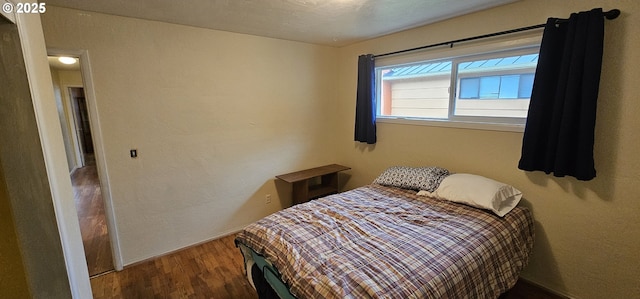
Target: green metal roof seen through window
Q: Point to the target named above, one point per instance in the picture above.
(444, 67)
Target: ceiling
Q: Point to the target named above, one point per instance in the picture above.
(326, 22)
(55, 64)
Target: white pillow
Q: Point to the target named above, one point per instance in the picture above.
(477, 191)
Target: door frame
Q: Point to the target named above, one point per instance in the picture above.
(73, 123)
(39, 78)
(98, 145)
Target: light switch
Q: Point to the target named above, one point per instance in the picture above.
(134, 153)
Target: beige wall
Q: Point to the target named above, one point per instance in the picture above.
(587, 233)
(214, 116)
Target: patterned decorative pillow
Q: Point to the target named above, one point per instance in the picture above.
(414, 178)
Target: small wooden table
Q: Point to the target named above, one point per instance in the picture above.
(304, 191)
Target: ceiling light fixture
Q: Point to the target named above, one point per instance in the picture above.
(67, 60)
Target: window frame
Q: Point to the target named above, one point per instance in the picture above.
(521, 44)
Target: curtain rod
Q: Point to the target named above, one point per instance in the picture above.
(610, 15)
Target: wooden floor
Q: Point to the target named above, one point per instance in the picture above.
(210, 270)
(93, 225)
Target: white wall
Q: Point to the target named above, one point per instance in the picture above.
(587, 233)
(214, 116)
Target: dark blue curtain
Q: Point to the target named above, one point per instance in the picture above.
(559, 133)
(365, 130)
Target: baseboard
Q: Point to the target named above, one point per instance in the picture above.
(552, 291)
(220, 236)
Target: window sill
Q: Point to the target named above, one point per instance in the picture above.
(452, 124)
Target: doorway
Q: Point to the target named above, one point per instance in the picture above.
(83, 127)
(79, 146)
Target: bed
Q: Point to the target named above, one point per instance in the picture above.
(387, 240)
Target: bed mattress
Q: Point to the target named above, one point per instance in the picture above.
(386, 242)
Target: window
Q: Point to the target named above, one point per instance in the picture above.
(497, 87)
(492, 87)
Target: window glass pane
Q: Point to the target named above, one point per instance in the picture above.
(504, 86)
(463, 66)
(509, 85)
(418, 90)
(489, 87)
(526, 86)
(530, 58)
(469, 88)
(492, 62)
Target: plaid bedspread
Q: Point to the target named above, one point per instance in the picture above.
(384, 242)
